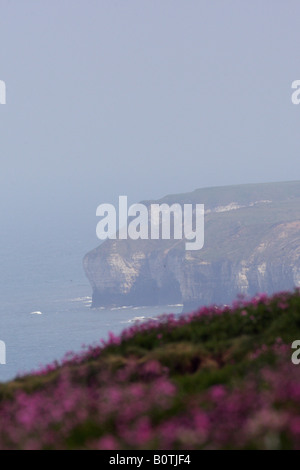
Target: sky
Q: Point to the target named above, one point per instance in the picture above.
(141, 98)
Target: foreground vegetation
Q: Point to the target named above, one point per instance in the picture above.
(218, 378)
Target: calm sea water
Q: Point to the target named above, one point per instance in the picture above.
(47, 276)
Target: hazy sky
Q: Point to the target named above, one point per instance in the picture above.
(142, 98)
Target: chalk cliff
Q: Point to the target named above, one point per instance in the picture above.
(252, 244)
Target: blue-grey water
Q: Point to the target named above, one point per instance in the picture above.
(46, 275)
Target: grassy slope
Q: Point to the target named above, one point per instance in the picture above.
(219, 378)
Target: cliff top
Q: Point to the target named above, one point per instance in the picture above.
(216, 378)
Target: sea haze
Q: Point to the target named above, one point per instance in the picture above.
(46, 275)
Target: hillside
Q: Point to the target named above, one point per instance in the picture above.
(218, 378)
(252, 235)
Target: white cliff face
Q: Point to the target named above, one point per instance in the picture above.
(121, 268)
(232, 206)
(262, 268)
(180, 276)
(249, 247)
(242, 280)
(193, 278)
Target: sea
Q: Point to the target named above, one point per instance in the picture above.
(45, 308)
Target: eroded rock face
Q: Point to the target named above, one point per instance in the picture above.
(252, 244)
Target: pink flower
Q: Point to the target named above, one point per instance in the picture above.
(107, 442)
